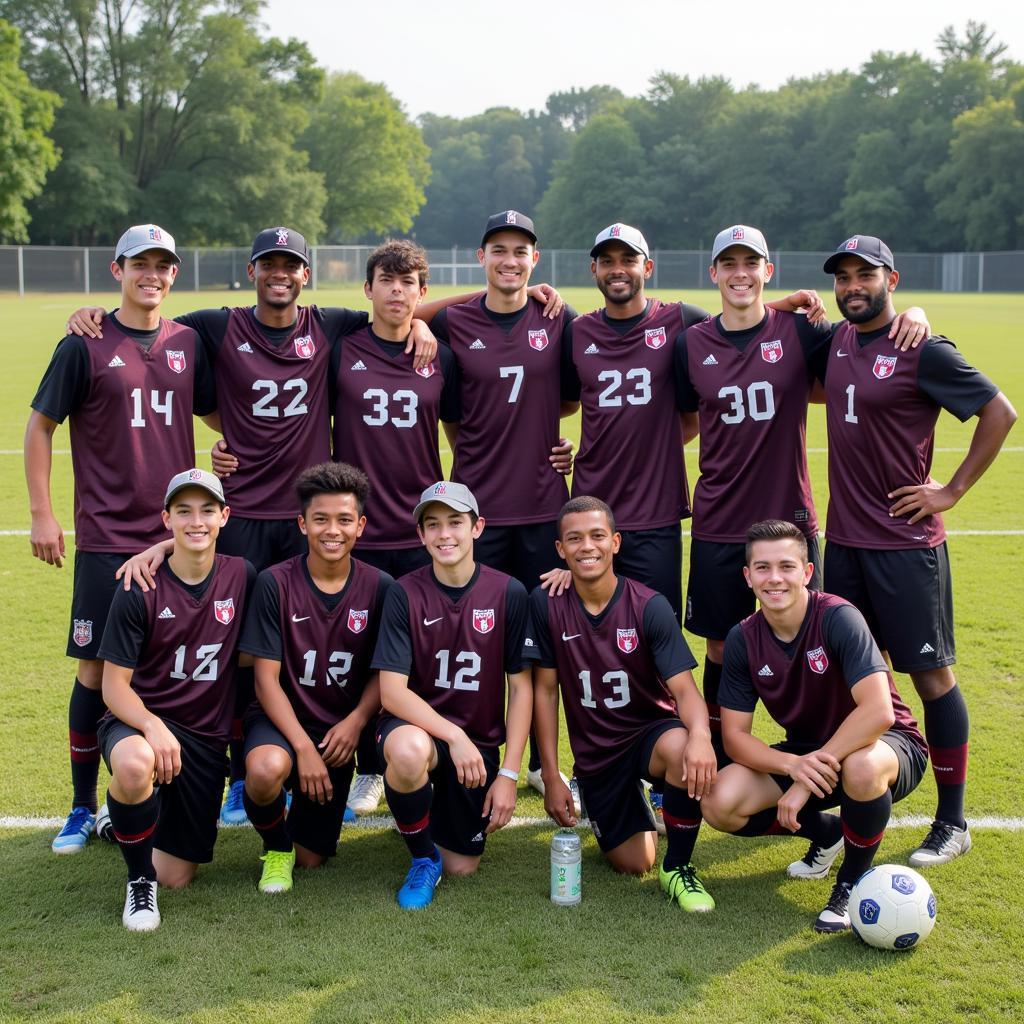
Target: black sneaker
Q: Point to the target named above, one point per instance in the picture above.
(836, 915)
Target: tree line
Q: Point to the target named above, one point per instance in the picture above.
(184, 112)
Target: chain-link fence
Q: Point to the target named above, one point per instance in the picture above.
(36, 268)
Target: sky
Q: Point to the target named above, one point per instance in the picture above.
(460, 57)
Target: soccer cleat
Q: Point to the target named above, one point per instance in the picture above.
(366, 794)
(140, 910)
(103, 827)
(817, 862)
(836, 915)
(277, 871)
(577, 800)
(75, 834)
(418, 889)
(684, 887)
(657, 813)
(535, 780)
(943, 843)
(348, 816)
(233, 811)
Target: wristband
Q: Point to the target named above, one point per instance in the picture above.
(509, 774)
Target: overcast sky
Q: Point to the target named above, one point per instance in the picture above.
(461, 57)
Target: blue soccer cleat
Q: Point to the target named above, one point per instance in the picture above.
(75, 834)
(418, 890)
(233, 811)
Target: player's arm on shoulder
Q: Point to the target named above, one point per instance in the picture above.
(426, 311)
(86, 322)
(46, 537)
(806, 300)
(547, 295)
(141, 568)
(910, 328)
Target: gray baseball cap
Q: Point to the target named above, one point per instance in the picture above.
(631, 237)
(142, 238)
(194, 478)
(739, 234)
(456, 496)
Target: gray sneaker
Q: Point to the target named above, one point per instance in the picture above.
(943, 843)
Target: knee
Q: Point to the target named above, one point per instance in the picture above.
(631, 864)
(266, 769)
(133, 773)
(861, 776)
(718, 813)
(408, 757)
(307, 858)
(176, 877)
(459, 865)
(934, 683)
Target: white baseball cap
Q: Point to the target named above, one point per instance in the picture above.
(456, 496)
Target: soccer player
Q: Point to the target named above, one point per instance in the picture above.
(632, 709)
(450, 634)
(849, 739)
(168, 680)
(130, 399)
(886, 550)
(311, 630)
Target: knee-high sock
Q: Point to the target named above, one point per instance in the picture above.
(85, 709)
(947, 729)
(817, 826)
(710, 683)
(412, 816)
(134, 826)
(864, 824)
(682, 817)
(269, 820)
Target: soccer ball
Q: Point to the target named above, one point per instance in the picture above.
(892, 907)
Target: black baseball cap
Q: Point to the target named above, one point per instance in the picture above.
(509, 220)
(279, 240)
(870, 249)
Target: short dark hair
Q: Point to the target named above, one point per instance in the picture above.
(775, 529)
(332, 478)
(585, 503)
(398, 256)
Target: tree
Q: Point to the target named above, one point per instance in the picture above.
(26, 115)
(574, 108)
(977, 43)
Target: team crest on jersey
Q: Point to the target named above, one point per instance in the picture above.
(885, 366)
(357, 620)
(818, 660)
(305, 347)
(224, 611)
(539, 340)
(655, 338)
(483, 619)
(82, 634)
(625, 640)
(176, 361)
(771, 351)
(426, 372)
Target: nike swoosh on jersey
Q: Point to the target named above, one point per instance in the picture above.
(573, 637)
(295, 618)
(842, 355)
(430, 622)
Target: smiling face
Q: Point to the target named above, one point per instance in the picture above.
(778, 573)
(741, 276)
(332, 524)
(279, 278)
(145, 279)
(864, 292)
(448, 535)
(195, 518)
(587, 543)
(508, 259)
(619, 273)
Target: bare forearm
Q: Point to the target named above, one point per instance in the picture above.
(400, 701)
(518, 718)
(38, 463)
(545, 721)
(124, 703)
(994, 423)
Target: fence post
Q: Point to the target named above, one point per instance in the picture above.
(312, 276)
(455, 259)
(21, 271)
(86, 273)
(981, 271)
(195, 270)
(554, 268)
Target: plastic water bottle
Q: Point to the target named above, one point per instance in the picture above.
(566, 868)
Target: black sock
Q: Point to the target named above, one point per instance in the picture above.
(819, 827)
(134, 826)
(682, 824)
(85, 709)
(269, 821)
(710, 683)
(864, 824)
(947, 729)
(412, 817)
(534, 763)
(763, 823)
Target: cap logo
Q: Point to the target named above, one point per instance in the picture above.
(510, 217)
(771, 351)
(615, 231)
(655, 338)
(440, 488)
(737, 234)
(155, 234)
(195, 474)
(305, 347)
(483, 619)
(539, 340)
(818, 660)
(851, 243)
(885, 366)
(282, 236)
(176, 361)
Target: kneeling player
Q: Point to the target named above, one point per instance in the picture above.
(169, 682)
(850, 741)
(450, 634)
(312, 629)
(632, 708)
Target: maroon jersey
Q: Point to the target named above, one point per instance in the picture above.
(631, 448)
(274, 411)
(385, 421)
(806, 689)
(511, 400)
(753, 429)
(611, 688)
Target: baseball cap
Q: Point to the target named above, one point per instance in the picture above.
(142, 238)
(739, 234)
(625, 234)
(455, 496)
(870, 249)
(509, 220)
(279, 240)
(194, 478)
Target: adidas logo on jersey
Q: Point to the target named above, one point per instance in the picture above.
(927, 649)
(765, 671)
(166, 614)
(591, 350)
(245, 347)
(359, 365)
(116, 361)
(710, 361)
(478, 344)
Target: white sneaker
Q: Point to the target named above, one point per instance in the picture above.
(104, 829)
(943, 843)
(817, 862)
(365, 794)
(140, 909)
(535, 780)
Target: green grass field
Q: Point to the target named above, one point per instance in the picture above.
(492, 948)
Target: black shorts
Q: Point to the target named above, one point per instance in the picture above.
(264, 542)
(615, 800)
(190, 803)
(655, 559)
(524, 551)
(906, 596)
(717, 595)
(396, 562)
(94, 587)
(457, 822)
(913, 763)
(315, 826)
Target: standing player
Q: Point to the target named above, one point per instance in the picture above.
(169, 684)
(450, 634)
(849, 739)
(311, 631)
(130, 399)
(886, 550)
(631, 707)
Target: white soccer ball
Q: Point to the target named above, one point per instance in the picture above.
(892, 907)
